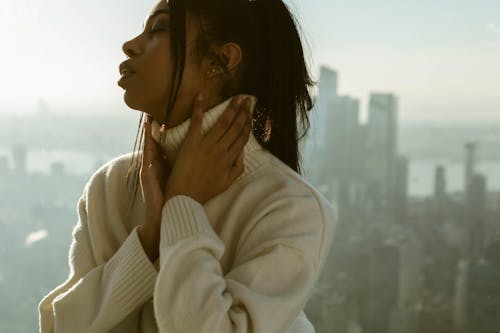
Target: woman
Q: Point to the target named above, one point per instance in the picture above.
(227, 237)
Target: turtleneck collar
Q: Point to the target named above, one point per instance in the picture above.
(174, 136)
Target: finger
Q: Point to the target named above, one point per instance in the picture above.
(240, 142)
(239, 160)
(148, 147)
(145, 160)
(196, 117)
(152, 153)
(239, 122)
(224, 121)
(237, 169)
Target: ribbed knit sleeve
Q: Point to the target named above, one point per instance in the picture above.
(271, 279)
(95, 298)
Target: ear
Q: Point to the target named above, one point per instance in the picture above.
(232, 55)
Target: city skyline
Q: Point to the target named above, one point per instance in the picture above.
(399, 263)
(443, 60)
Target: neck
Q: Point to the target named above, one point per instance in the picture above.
(174, 137)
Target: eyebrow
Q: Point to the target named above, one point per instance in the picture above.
(158, 12)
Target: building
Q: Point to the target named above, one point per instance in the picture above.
(440, 199)
(476, 208)
(382, 145)
(470, 162)
(400, 192)
(327, 91)
(382, 289)
(315, 143)
(57, 169)
(476, 197)
(19, 152)
(404, 321)
(344, 145)
(477, 301)
(4, 165)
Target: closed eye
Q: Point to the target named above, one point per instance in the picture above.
(159, 28)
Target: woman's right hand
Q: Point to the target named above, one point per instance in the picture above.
(154, 172)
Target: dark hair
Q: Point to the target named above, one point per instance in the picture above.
(273, 67)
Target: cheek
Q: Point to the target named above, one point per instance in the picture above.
(149, 90)
(192, 80)
(187, 81)
(159, 74)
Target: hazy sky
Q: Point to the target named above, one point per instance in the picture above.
(441, 57)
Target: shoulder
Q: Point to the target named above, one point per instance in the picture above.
(111, 171)
(274, 179)
(109, 181)
(285, 205)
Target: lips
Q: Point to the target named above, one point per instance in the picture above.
(126, 71)
(126, 68)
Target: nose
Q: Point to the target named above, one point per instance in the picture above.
(130, 48)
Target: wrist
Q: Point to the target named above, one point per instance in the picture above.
(171, 190)
(169, 195)
(150, 241)
(148, 231)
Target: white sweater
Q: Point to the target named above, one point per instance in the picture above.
(245, 261)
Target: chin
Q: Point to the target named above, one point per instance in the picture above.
(133, 103)
(138, 106)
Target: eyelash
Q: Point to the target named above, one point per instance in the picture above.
(153, 31)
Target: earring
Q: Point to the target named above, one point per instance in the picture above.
(214, 70)
(163, 129)
(263, 125)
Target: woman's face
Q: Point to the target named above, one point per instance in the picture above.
(148, 88)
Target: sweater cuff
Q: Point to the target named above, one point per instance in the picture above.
(132, 273)
(183, 217)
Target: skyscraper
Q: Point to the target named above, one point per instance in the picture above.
(327, 91)
(344, 142)
(20, 153)
(476, 207)
(400, 194)
(383, 288)
(315, 143)
(382, 144)
(477, 195)
(440, 200)
(477, 301)
(470, 161)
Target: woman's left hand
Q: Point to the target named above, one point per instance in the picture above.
(207, 165)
